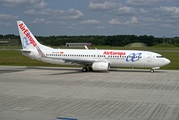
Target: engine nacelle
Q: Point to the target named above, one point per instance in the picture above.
(100, 66)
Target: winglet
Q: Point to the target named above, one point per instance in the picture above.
(86, 47)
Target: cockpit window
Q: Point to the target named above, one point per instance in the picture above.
(159, 56)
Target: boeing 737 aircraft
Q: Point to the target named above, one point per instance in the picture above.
(96, 60)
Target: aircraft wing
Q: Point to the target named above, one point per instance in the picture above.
(76, 61)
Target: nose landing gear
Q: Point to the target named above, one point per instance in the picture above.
(154, 68)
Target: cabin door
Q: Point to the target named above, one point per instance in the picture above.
(149, 57)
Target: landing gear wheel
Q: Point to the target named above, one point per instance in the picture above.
(84, 69)
(152, 70)
(90, 69)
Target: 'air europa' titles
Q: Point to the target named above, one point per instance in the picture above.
(114, 53)
(26, 32)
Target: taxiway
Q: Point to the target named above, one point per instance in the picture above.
(42, 93)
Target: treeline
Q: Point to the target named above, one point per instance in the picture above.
(114, 40)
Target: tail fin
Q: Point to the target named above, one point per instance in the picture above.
(27, 38)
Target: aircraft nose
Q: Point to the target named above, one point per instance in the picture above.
(166, 61)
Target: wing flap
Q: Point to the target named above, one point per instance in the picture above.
(75, 61)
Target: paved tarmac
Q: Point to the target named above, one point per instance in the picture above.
(41, 93)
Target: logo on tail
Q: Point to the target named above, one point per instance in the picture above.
(28, 39)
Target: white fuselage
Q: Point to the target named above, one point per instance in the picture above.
(122, 58)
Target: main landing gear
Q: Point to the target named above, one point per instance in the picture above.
(86, 69)
(151, 70)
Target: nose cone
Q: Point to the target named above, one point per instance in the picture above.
(166, 61)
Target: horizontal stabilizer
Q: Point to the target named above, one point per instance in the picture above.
(25, 51)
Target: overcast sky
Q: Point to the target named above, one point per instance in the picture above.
(91, 17)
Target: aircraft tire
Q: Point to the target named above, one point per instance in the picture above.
(84, 69)
(152, 70)
(90, 69)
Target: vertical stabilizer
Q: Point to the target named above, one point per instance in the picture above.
(27, 38)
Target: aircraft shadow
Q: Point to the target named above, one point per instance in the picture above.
(65, 70)
(9, 71)
(77, 71)
(70, 72)
(74, 70)
(136, 70)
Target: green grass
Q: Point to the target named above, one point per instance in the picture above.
(15, 58)
(125, 48)
(10, 47)
(159, 46)
(174, 58)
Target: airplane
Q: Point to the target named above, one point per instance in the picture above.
(91, 59)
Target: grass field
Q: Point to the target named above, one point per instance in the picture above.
(15, 58)
(174, 58)
(156, 47)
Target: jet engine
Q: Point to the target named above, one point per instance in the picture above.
(100, 66)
